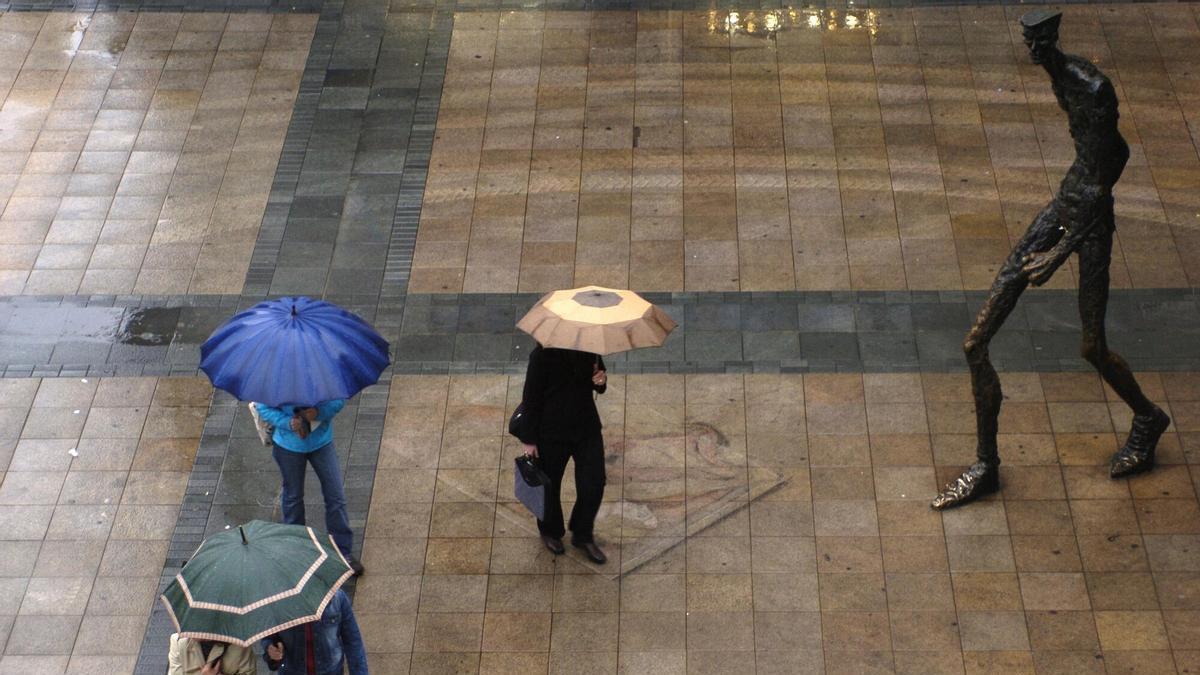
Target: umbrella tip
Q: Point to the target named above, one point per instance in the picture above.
(242, 531)
(293, 309)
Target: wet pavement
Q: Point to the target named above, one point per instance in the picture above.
(731, 332)
(140, 149)
(779, 524)
(817, 195)
(94, 472)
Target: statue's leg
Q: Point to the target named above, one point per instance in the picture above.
(1149, 421)
(985, 383)
(983, 477)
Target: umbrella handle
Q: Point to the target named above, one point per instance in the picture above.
(595, 367)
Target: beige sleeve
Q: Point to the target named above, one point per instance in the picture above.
(239, 661)
(175, 656)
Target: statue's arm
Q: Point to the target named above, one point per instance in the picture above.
(1042, 265)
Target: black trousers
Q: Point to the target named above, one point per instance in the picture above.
(589, 486)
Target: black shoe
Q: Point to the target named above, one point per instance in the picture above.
(591, 550)
(357, 567)
(553, 544)
(1137, 455)
(980, 479)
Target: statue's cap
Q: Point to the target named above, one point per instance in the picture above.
(1041, 21)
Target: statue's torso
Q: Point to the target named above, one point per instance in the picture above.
(1090, 101)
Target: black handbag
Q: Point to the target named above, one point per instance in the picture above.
(516, 423)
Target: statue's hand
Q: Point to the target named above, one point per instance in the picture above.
(1039, 267)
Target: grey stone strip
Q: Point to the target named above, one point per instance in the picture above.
(281, 200)
(427, 83)
(718, 332)
(347, 196)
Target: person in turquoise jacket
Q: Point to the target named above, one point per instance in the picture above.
(302, 436)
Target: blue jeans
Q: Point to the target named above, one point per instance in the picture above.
(324, 460)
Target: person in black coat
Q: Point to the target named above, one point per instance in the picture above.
(561, 423)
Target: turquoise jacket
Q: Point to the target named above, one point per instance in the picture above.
(284, 437)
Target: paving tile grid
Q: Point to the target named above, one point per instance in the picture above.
(841, 569)
(139, 148)
(854, 149)
(92, 475)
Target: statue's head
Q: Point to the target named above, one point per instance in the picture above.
(1040, 28)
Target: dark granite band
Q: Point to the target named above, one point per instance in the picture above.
(718, 332)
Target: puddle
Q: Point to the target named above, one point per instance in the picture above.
(148, 327)
(153, 326)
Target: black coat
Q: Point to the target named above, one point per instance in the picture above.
(558, 396)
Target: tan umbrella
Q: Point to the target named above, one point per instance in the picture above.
(596, 319)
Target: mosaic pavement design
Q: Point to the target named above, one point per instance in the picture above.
(139, 149)
(718, 151)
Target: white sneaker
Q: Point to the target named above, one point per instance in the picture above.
(264, 430)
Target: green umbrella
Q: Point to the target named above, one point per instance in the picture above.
(245, 584)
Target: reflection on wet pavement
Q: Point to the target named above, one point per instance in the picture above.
(92, 337)
(138, 149)
(770, 21)
(790, 149)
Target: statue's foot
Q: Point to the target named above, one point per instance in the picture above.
(1137, 455)
(982, 478)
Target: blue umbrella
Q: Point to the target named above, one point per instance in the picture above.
(294, 351)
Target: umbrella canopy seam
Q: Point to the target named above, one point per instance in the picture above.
(246, 609)
(200, 635)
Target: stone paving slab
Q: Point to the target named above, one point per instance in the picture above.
(788, 149)
(842, 568)
(235, 480)
(139, 150)
(92, 475)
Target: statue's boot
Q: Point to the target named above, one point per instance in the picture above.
(982, 478)
(1137, 455)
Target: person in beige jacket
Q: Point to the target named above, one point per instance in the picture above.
(188, 657)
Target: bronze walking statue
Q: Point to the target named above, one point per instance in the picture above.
(1078, 220)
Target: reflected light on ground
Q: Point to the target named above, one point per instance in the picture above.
(76, 38)
(769, 22)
